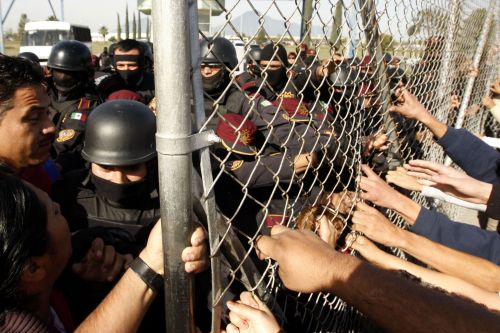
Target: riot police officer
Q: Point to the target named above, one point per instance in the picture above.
(120, 187)
(72, 95)
(116, 198)
(132, 61)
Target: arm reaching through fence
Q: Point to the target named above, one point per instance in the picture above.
(378, 228)
(307, 264)
(401, 178)
(451, 180)
(376, 190)
(475, 157)
(449, 283)
(408, 105)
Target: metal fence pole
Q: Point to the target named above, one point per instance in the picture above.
(445, 72)
(336, 33)
(306, 26)
(173, 90)
(475, 63)
(372, 35)
(206, 169)
(1, 29)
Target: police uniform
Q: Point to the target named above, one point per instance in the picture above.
(83, 208)
(145, 87)
(70, 117)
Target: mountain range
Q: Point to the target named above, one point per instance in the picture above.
(249, 24)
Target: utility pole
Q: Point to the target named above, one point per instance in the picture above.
(62, 10)
(1, 29)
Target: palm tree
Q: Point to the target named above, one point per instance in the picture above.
(103, 31)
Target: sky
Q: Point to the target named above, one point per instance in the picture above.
(93, 13)
(96, 13)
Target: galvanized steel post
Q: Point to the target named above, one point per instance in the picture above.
(208, 199)
(173, 91)
(372, 35)
(306, 25)
(475, 63)
(445, 72)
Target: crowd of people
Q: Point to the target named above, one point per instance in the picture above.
(301, 143)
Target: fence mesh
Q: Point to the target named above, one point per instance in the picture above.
(312, 130)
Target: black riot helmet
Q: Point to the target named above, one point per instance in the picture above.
(218, 50)
(344, 76)
(253, 59)
(29, 56)
(120, 133)
(70, 55)
(254, 54)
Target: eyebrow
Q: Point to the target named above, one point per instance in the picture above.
(35, 109)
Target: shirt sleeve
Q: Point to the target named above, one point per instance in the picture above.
(459, 236)
(493, 205)
(475, 157)
(429, 191)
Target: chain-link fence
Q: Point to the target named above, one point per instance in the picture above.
(294, 124)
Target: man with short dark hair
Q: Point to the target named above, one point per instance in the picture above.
(130, 62)
(26, 131)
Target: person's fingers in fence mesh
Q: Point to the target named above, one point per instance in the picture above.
(451, 180)
(340, 201)
(401, 178)
(325, 221)
(374, 225)
(295, 250)
(250, 314)
(369, 251)
(306, 264)
(409, 106)
(376, 190)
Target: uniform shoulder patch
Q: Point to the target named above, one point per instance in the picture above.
(82, 116)
(235, 165)
(66, 135)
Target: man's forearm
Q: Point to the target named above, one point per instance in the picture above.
(383, 296)
(447, 282)
(434, 125)
(474, 270)
(123, 308)
(406, 207)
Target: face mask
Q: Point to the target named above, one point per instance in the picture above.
(131, 78)
(216, 83)
(276, 78)
(120, 193)
(66, 82)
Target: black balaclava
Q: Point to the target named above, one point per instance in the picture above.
(215, 84)
(275, 78)
(67, 82)
(130, 77)
(128, 193)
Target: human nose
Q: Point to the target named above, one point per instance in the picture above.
(118, 177)
(48, 126)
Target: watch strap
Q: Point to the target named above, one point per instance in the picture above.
(149, 276)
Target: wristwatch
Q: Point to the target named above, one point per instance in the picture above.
(150, 277)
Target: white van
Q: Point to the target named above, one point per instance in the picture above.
(39, 37)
